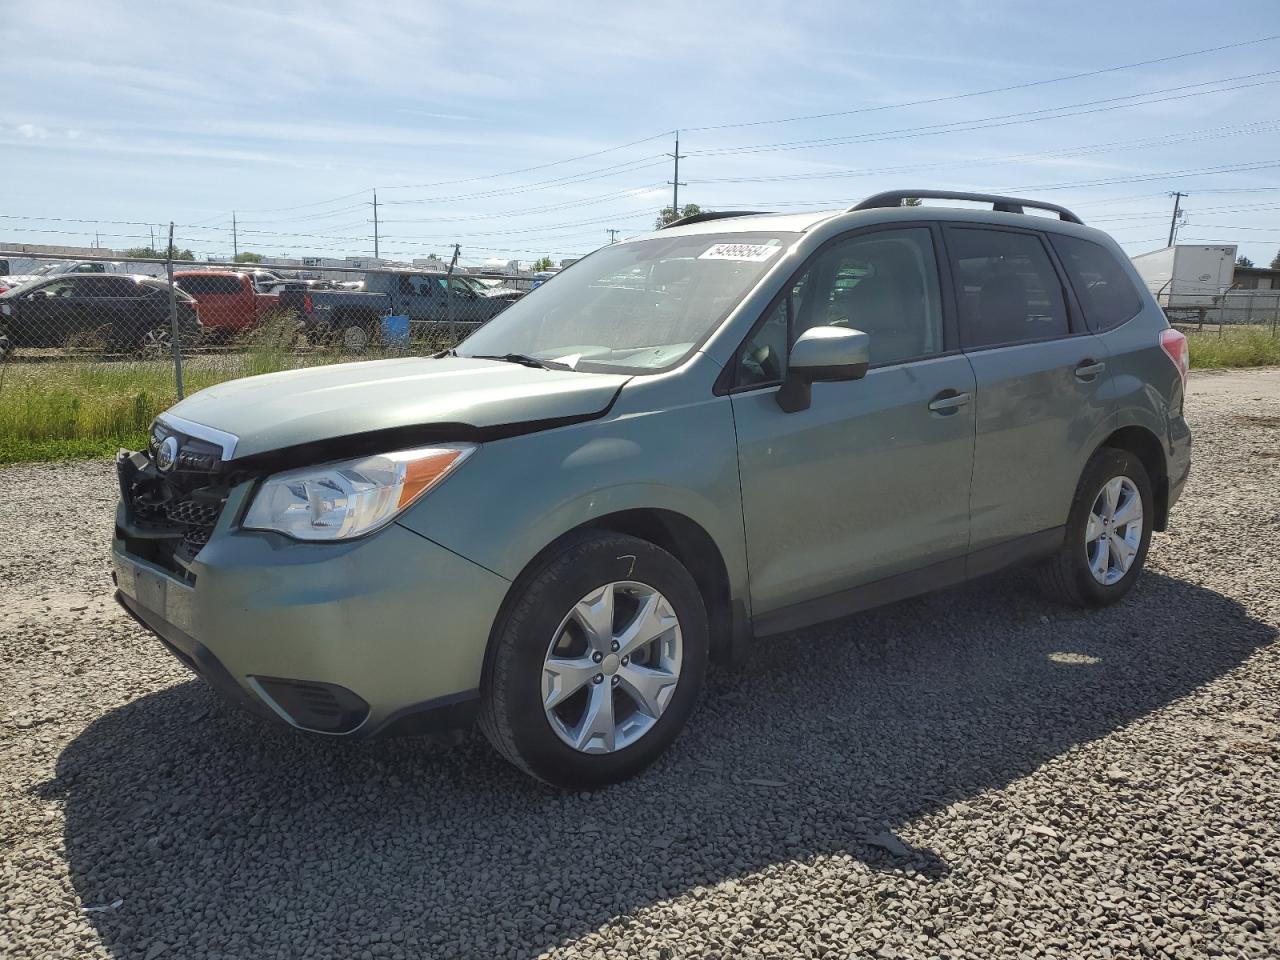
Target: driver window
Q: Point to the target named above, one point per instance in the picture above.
(884, 284)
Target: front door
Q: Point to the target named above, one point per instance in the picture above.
(872, 480)
(1042, 397)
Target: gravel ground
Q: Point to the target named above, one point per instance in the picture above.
(971, 774)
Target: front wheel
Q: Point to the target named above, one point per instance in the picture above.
(1108, 532)
(155, 343)
(595, 663)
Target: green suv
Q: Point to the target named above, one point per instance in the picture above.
(734, 427)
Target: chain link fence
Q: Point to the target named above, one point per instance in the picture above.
(92, 348)
(1190, 306)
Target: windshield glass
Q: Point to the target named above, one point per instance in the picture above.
(640, 307)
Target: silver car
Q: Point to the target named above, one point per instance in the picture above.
(733, 427)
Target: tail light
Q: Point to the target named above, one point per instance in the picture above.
(1174, 344)
(306, 302)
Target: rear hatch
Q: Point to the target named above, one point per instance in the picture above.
(224, 302)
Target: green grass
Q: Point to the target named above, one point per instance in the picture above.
(72, 409)
(1240, 347)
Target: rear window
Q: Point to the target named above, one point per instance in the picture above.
(1102, 286)
(154, 287)
(211, 284)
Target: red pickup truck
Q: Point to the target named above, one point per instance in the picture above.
(229, 303)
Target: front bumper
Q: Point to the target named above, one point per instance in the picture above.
(379, 635)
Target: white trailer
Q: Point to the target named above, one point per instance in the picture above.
(1188, 276)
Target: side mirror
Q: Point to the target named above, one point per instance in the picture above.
(38, 294)
(823, 354)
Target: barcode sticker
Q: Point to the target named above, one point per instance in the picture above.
(749, 252)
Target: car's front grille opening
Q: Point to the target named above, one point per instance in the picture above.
(171, 514)
(322, 707)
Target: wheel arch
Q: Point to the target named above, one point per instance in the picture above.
(687, 541)
(1146, 446)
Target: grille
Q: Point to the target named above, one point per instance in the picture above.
(195, 513)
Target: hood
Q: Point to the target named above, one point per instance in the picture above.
(318, 404)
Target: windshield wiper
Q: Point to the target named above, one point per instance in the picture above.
(524, 360)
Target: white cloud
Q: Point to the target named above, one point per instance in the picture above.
(31, 131)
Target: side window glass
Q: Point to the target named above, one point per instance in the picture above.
(884, 284)
(763, 358)
(1106, 294)
(1007, 287)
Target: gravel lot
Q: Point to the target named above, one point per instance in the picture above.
(972, 774)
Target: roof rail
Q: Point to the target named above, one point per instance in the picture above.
(894, 198)
(712, 215)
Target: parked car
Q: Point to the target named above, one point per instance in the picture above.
(351, 317)
(734, 427)
(487, 291)
(229, 301)
(130, 314)
(59, 267)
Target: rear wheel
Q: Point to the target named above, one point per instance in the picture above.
(1108, 532)
(595, 663)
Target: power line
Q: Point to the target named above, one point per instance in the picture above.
(998, 120)
(540, 166)
(1246, 129)
(982, 93)
(630, 166)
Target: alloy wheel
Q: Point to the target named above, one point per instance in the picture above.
(156, 343)
(1113, 532)
(612, 667)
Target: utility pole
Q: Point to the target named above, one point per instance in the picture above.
(448, 289)
(613, 235)
(235, 238)
(152, 227)
(375, 225)
(675, 181)
(1177, 207)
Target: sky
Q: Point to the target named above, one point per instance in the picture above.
(518, 130)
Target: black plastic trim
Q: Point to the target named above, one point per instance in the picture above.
(999, 203)
(456, 711)
(713, 215)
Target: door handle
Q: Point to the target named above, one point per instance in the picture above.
(1088, 369)
(949, 401)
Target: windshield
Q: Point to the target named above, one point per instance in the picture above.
(639, 307)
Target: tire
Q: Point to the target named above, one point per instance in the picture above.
(538, 626)
(1069, 575)
(355, 334)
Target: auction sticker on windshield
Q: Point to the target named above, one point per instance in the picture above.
(749, 252)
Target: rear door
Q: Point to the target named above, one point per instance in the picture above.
(1042, 398)
(871, 480)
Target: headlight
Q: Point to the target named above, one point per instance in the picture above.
(336, 501)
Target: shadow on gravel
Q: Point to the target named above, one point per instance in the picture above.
(224, 835)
